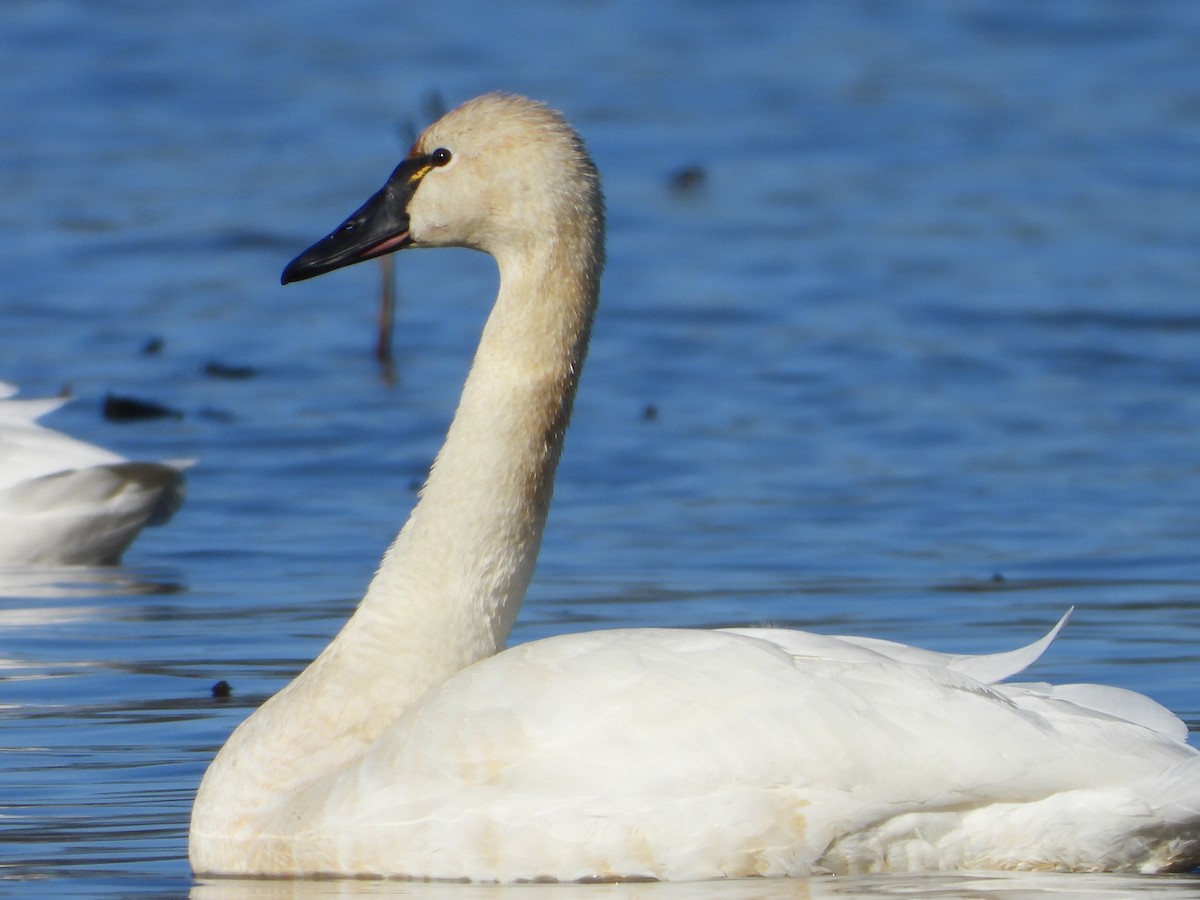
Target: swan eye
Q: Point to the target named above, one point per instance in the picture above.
(439, 157)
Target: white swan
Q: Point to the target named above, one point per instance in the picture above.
(66, 502)
(414, 747)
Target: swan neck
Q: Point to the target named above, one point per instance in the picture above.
(474, 536)
(451, 584)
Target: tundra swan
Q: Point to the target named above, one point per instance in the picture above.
(416, 746)
(66, 502)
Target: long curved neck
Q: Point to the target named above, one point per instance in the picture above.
(450, 586)
(459, 568)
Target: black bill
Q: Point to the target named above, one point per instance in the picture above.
(379, 226)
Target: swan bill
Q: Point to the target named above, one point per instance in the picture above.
(377, 227)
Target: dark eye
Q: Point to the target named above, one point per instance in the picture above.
(440, 156)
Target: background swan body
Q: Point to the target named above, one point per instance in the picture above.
(416, 746)
(67, 502)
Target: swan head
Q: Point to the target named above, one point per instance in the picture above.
(501, 174)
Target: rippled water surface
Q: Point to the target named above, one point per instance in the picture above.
(917, 357)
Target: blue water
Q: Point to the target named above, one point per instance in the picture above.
(918, 358)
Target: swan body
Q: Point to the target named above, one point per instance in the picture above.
(416, 746)
(67, 502)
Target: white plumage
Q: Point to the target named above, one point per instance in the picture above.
(67, 502)
(416, 746)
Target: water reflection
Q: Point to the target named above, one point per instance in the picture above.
(995, 886)
(77, 581)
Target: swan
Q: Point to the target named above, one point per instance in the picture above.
(417, 746)
(67, 502)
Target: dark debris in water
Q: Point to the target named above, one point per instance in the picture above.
(222, 690)
(132, 409)
(687, 179)
(215, 369)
